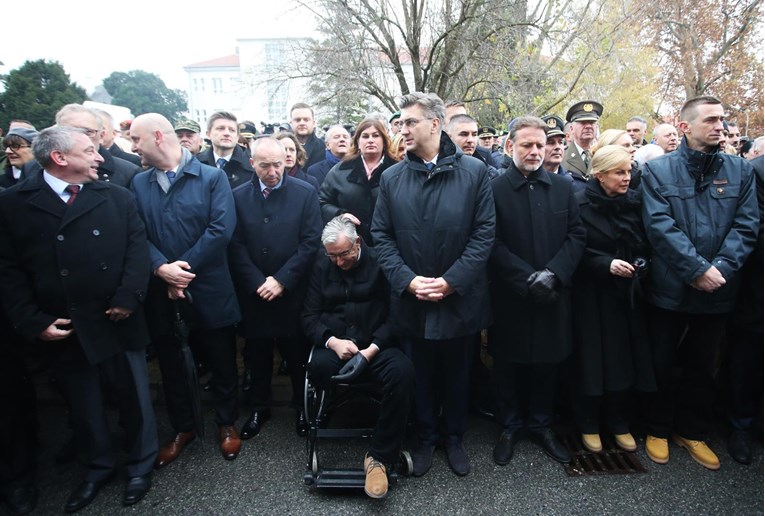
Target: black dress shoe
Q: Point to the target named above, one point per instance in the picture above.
(21, 500)
(422, 459)
(301, 425)
(503, 450)
(83, 494)
(256, 420)
(247, 380)
(457, 458)
(740, 447)
(136, 489)
(552, 446)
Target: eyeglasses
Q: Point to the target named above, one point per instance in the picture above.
(344, 254)
(14, 146)
(90, 132)
(411, 122)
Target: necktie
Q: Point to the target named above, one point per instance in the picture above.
(72, 190)
(267, 192)
(170, 176)
(430, 165)
(221, 162)
(586, 158)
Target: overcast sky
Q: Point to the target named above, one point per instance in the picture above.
(93, 39)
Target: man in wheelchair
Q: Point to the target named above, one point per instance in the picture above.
(345, 317)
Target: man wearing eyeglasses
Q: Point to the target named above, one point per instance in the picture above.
(113, 170)
(345, 318)
(433, 227)
(278, 225)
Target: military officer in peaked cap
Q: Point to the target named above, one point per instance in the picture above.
(583, 117)
(555, 151)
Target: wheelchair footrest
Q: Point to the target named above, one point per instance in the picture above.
(340, 478)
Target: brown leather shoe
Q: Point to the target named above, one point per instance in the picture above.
(169, 452)
(229, 442)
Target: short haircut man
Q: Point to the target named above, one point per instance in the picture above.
(532, 265)
(304, 125)
(436, 271)
(225, 153)
(452, 108)
(637, 127)
(338, 141)
(701, 218)
(190, 274)
(734, 135)
(74, 268)
(665, 136)
(278, 225)
(346, 320)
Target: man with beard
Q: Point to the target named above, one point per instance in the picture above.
(539, 242)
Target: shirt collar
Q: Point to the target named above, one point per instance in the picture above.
(56, 184)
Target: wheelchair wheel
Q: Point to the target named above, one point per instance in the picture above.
(407, 463)
(314, 463)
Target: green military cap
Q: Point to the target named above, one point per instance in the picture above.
(584, 111)
(486, 131)
(554, 125)
(184, 124)
(394, 116)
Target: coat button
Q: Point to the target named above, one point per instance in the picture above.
(531, 187)
(266, 220)
(265, 250)
(96, 232)
(104, 266)
(65, 272)
(60, 238)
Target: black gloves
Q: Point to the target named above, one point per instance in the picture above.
(351, 370)
(542, 286)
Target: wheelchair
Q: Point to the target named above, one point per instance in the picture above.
(325, 411)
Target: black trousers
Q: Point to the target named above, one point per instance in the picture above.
(683, 405)
(745, 371)
(525, 394)
(391, 369)
(613, 408)
(258, 356)
(126, 376)
(18, 424)
(442, 380)
(219, 350)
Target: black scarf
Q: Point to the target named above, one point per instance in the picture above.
(623, 213)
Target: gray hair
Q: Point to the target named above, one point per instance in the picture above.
(524, 122)
(647, 153)
(758, 144)
(78, 108)
(56, 138)
(336, 227)
(459, 119)
(257, 142)
(431, 104)
(639, 119)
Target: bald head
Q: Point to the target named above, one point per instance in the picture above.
(155, 141)
(665, 136)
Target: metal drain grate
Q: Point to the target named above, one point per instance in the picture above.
(611, 461)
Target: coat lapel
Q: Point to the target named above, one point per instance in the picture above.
(90, 197)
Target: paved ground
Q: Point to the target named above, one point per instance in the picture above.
(267, 478)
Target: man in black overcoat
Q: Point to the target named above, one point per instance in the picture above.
(539, 242)
(74, 268)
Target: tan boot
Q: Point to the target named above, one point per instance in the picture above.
(376, 483)
(592, 442)
(657, 449)
(699, 451)
(626, 442)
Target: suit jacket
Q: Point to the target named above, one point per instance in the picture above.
(193, 222)
(116, 151)
(574, 164)
(238, 169)
(74, 262)
(278, 237)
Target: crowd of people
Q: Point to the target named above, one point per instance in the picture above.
(395, 251)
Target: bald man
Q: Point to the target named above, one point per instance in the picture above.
(188, 209)
(665, 136)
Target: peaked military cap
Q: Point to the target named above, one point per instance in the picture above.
(586, 110)
(184, 124)
(484, 132)
(554, 125)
